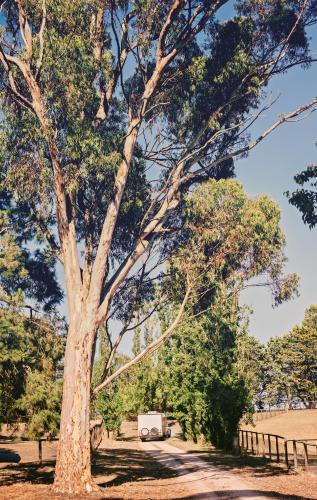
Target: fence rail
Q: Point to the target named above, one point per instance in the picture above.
(96, 433)
(273, 412)
(294, 453)
(264, 414)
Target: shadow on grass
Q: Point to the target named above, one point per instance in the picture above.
(257, 465)
(12, 439)
(9, 455)
(27, 472)
(110, 468)
(243, 493)
(127, 438)
(116, 467)
(5, 439)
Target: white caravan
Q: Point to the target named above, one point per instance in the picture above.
(153, 425)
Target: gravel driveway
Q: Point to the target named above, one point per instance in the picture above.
(202, 479)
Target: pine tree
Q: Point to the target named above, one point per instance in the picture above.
(293, 363)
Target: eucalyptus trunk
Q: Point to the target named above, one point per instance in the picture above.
(73, 465)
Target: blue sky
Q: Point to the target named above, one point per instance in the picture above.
(270, 169)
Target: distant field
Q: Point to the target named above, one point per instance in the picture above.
(296, 424)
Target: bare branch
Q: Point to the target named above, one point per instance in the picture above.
(125, 327)
(283, 49)
(39, 61)
(140, 248)
(5, 60)
(25, 30)
(174, 10)
(284, 119)
(106, 91)
(146, 317)
(150, 348)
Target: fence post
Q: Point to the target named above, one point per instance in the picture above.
(252, 444)
(306, 455)
(286, 453)
(242, 439)
(263, 445)
(277, 450)
(270, 450)
(295, 455)
(40, 451)
(257, 443)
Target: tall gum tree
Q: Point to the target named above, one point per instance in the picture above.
(102, 148)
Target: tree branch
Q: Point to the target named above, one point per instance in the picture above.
(252, 145)
(25, 30)
(46, 233)
(106, 92)
(174, 10)
(98, 272)
(39, 61)
(64, 202)
(5, 60)
(149, 349)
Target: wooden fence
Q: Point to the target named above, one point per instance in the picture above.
(96, 433)
(273, 412)
(294, 453)
(264, 414)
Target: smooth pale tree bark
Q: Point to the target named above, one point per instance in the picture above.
(73, 466)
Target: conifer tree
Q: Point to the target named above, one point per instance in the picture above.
(293, 363)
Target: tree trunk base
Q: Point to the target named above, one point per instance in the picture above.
(78, 488)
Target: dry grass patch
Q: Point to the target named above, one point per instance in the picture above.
(294, 424)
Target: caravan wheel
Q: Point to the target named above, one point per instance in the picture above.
(144, 433)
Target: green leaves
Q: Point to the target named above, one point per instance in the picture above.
(292, 363)
(305, 198)
(204, 390)
(231, 238)
(235, 67)
(41, 402)
(31, 350)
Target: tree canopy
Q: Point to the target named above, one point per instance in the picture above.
(305, 197)
(31, 354)
(65, 93)
(101, 150)
(31, 340)
(292, 366)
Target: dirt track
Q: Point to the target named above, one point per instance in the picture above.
(202, 479)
